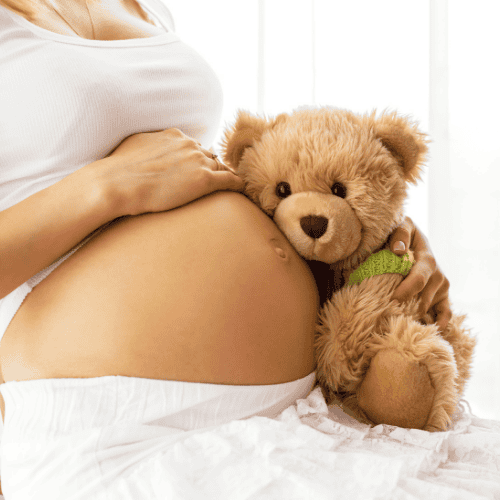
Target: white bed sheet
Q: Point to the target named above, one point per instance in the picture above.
(314, 452)
(311, 451)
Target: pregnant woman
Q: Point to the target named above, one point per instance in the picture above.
(136, 283)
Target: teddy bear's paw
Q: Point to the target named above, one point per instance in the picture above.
(396, 391)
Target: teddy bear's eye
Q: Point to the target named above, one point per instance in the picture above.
(338, 189)
(283, 190)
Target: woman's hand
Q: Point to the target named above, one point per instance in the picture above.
(158, 171)
(425, 278)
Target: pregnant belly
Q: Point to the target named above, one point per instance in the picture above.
(210, 292)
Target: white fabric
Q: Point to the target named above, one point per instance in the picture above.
(308, 451)
(76, 436)
(66, 102)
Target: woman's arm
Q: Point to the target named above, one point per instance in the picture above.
(147, 172)
(44, 226)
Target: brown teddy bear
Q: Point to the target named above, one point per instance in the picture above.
(335, 182)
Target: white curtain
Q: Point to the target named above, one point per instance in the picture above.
(436, 60)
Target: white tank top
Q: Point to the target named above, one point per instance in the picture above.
(66, 102)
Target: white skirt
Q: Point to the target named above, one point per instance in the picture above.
(77, 438)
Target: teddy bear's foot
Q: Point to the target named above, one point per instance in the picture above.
(396, 391)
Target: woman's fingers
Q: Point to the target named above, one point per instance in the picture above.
(222, 166)
(206, 152)
(217, 163)
(442, 313)
(404, 234)
(432, 292)
(226, 179)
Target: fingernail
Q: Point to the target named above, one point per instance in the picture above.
(399, 246)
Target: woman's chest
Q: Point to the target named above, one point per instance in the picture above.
(65, 105)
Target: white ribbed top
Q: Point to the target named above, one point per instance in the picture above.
(66, 102)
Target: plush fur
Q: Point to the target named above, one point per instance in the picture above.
(335, 183)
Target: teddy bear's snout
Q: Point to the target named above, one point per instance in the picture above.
(314, 225)
(319, 226)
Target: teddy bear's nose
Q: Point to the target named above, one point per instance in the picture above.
(314, 225)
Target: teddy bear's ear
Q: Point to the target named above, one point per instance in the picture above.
(405, 142)
(247, 130)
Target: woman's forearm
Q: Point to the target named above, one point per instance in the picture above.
(146, 172)
(44, 226)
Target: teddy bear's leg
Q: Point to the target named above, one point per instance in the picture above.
(412, 377)
(396, 391)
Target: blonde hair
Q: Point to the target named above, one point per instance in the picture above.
(29, 8)
(25, 8)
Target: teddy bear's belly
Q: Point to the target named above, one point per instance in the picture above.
(210, 292)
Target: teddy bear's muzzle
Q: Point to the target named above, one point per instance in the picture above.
(320, 226)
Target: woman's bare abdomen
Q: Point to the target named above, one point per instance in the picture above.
(209, 292)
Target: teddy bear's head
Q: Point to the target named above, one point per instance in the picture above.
(334, 182)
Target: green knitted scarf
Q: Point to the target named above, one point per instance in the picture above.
(381, 263)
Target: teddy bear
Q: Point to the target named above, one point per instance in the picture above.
(335, 182)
